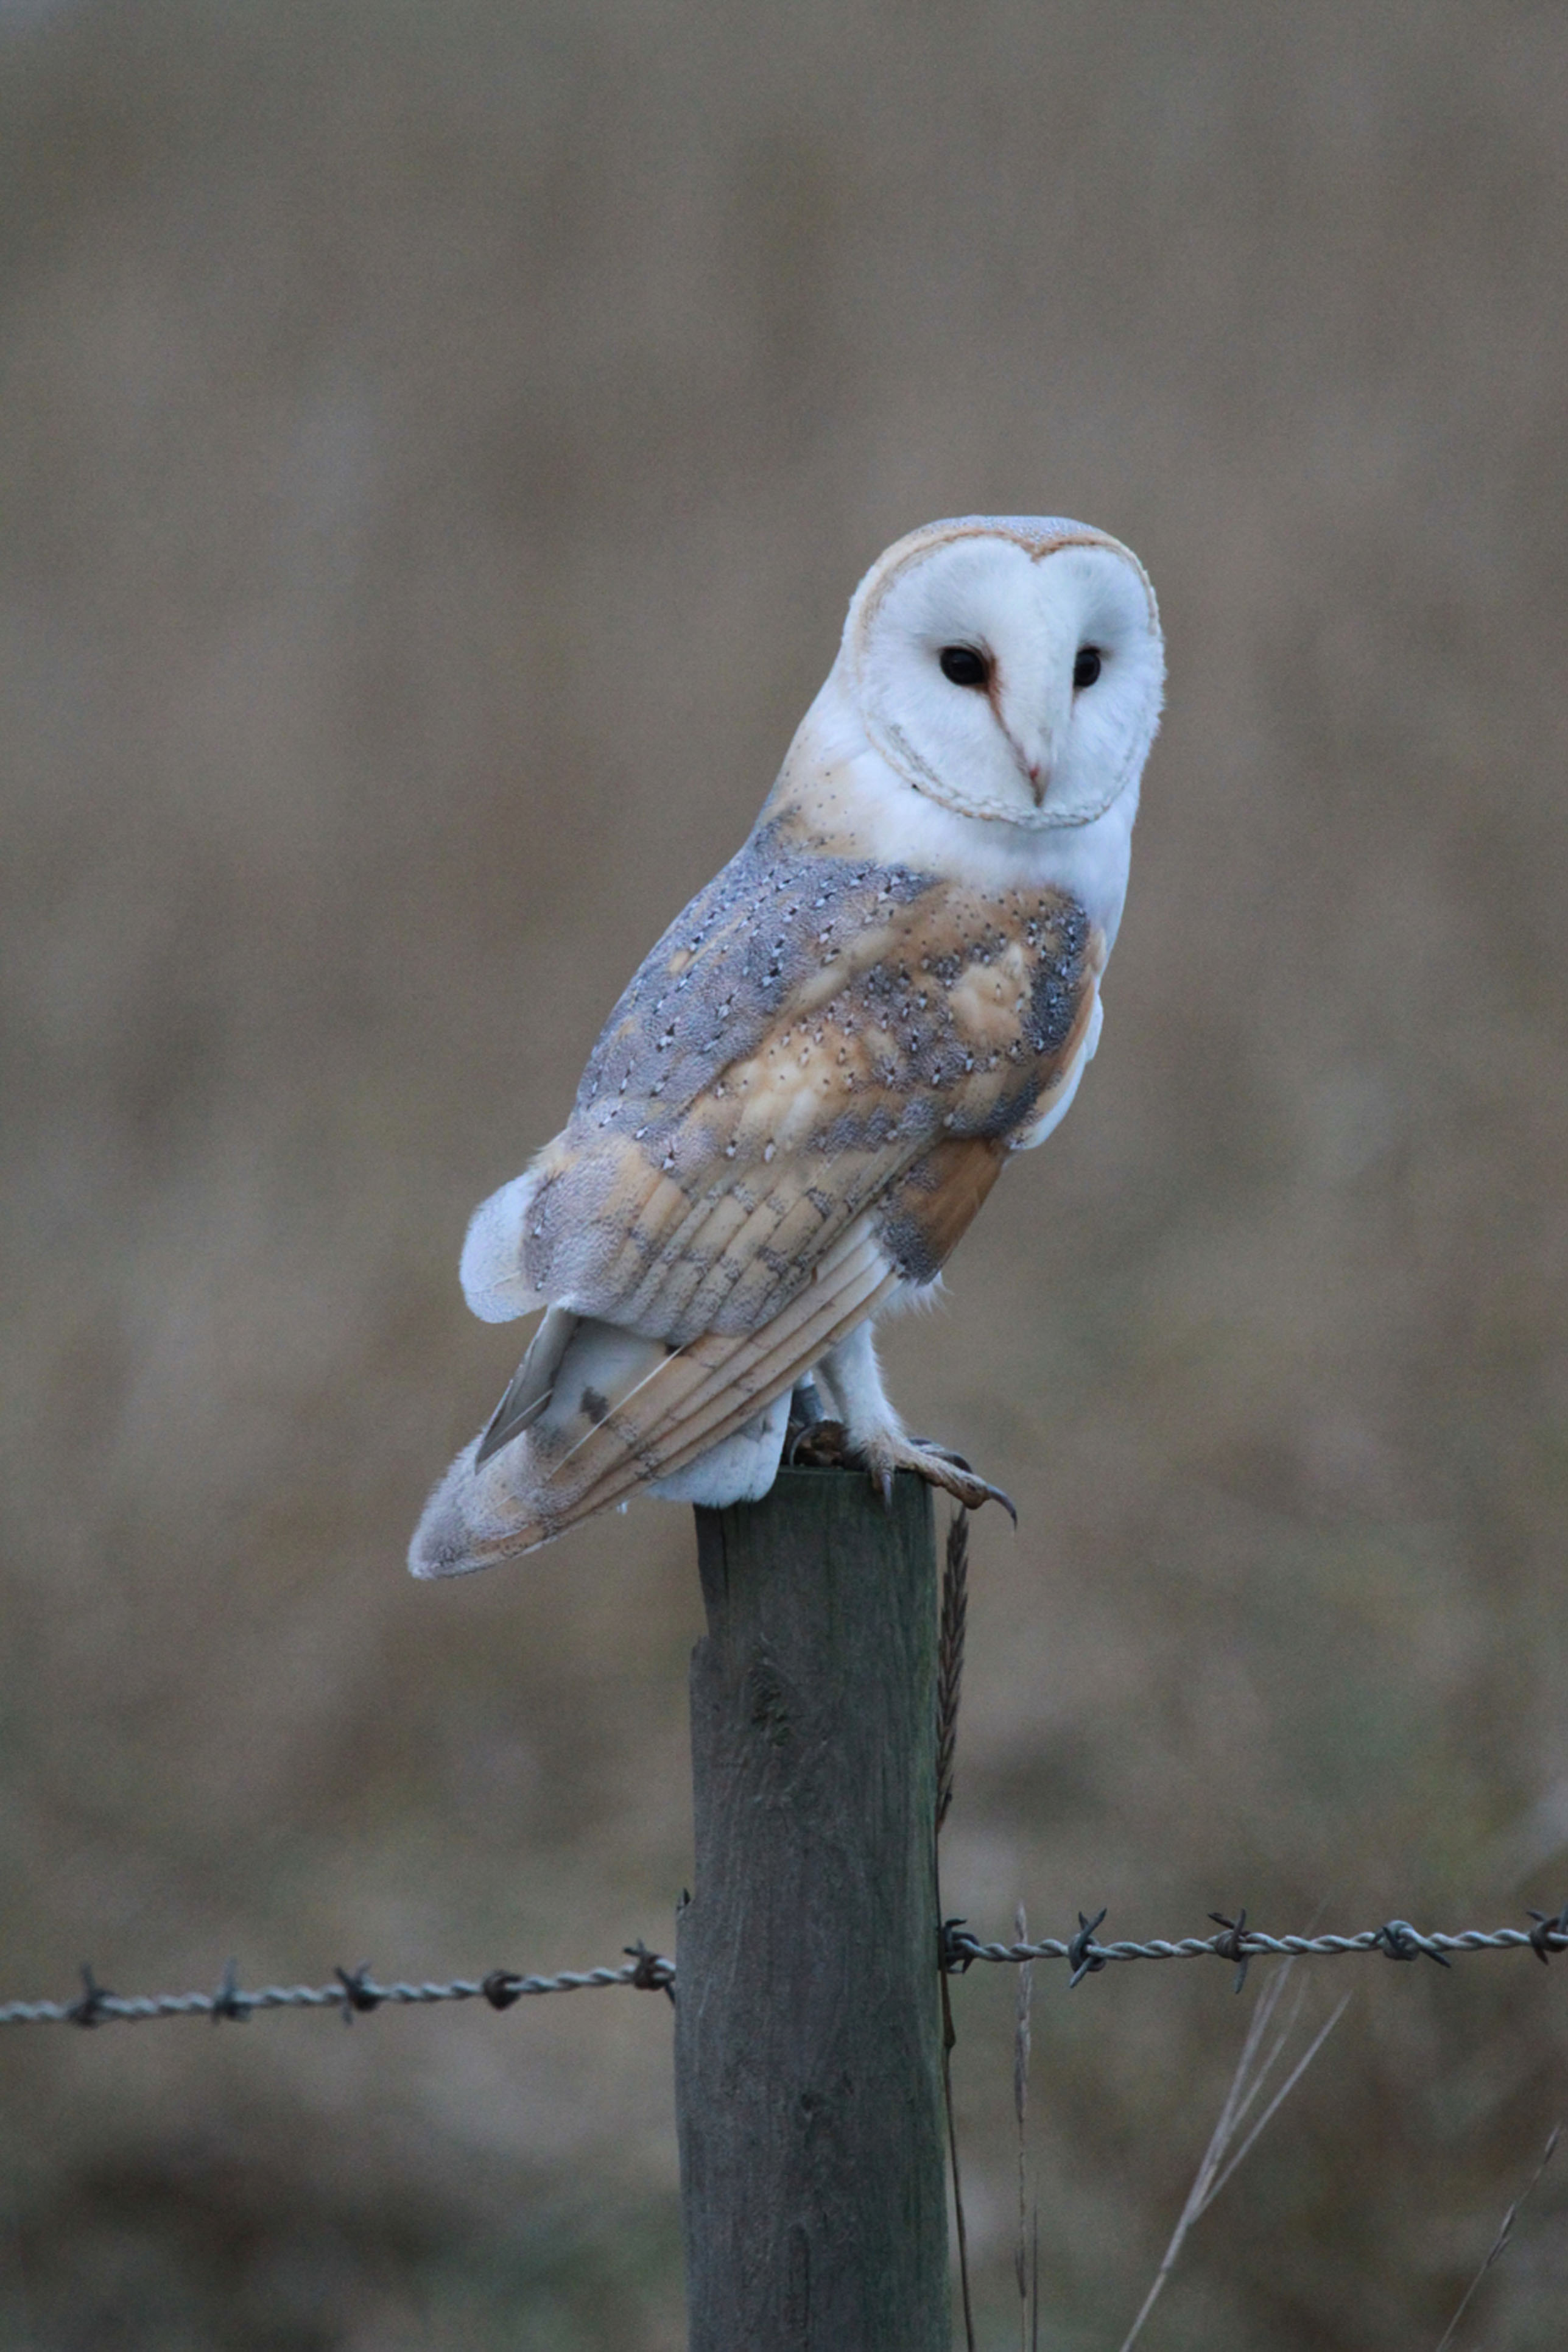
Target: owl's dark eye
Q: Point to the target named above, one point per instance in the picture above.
(962, 665)
(1086, 668)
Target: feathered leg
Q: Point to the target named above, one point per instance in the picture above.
(878, 1439)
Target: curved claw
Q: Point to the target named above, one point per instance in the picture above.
(971, 1490)
(825, 1446)
(937, 1465)
(996, 1494)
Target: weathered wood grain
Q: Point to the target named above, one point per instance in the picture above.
(807, 2040)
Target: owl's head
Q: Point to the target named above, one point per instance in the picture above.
(1010, 667)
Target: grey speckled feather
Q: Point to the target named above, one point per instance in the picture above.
(805, 1034)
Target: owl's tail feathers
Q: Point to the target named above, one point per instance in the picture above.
(450, 1538)
(466, 1526)
(596, 1412)
(504, 1494)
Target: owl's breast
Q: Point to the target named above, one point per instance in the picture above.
(1016, 980)
(1013, 974)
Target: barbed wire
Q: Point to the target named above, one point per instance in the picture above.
(1397, 1939)
(356, 1992)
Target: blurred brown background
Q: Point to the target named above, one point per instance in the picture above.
(438, 445)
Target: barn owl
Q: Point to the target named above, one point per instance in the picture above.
(821, 1070)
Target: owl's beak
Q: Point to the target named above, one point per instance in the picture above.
(1035, 724)
(1036, 749)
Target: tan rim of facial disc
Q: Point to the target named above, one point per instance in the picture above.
(1039, 538)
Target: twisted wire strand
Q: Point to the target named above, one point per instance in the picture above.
(1397, 1939)
(356, 1992)
(1253, 1945)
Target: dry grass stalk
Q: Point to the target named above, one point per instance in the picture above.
(1252, 2071)
(1499, 2244)
(950, 1657)
(959, 2224)
(1034, 2284)
(1021, 2048)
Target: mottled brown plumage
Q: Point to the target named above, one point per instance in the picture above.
(814, 1038)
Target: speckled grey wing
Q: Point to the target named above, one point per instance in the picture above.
(806, 1033)
(799, 1104)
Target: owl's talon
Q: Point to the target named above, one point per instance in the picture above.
(884, 1456)
(999, 1495)
(826, 1445)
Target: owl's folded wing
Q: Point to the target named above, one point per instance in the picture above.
(672, 1410)
(755, 1161)
(808, 1031)
(598, 1408)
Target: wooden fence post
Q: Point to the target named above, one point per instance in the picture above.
(808, 2036)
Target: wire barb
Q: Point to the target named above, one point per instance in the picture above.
(228, 2001)
(956, 1953)
(1549, 1934)
(359, 1992)
(93, 2006)
(653, 1972)
(1232, 1945)
(1083, 1954)
(1401, 1942)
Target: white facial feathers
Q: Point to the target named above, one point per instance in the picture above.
(1011, 670)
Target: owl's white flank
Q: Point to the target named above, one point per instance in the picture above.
(817, 1075)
